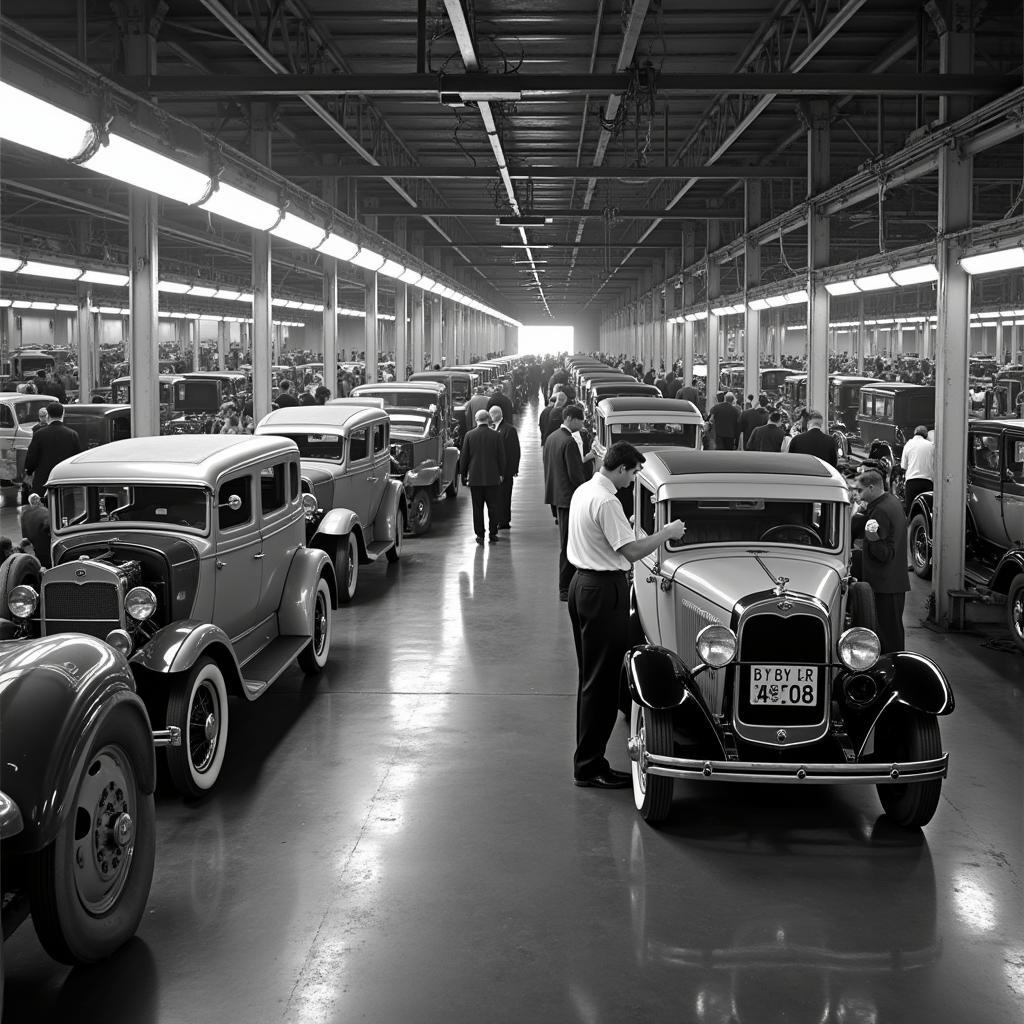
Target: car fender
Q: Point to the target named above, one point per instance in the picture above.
(451, 464)
(913, 681)
(422, 476)
(51, 711)
(658, 679)
(177, 647)
(1007, 570)
(295, 614)
(924, 504)
(385, 526)
(337, 522)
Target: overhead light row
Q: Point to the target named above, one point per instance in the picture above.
(993, 261)
(924, 273)
(40, 125)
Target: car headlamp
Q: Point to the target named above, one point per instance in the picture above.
(140, 603)
(22, 601)
(120, 640)
(716, 646)
(859, 649)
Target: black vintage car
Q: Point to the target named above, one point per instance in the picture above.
(99, 423)
(76, 808)
(197, 397)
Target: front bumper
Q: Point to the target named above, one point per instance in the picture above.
(870, 773)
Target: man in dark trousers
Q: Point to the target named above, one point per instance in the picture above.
(880, 521)
(563, 473)
(285, 398)
(814, 440)
(52, 444)
(501, 399)
(751, 419)
(602, 547)
(510, 440)
(35, 528)
(482, 464)
(725, 419)
(769, 437)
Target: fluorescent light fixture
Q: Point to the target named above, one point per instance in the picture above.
(66, 307)
(523, 245)
(874, 282)
(44, 305)
(175, 315)
(410, 276)
(391, 269)
(526, 221)
(40, 125)
(104, 277)
(992, 262)
(841, 288)
(437, 288)
(22, 304)
(755, 304)
(793, 298)
(367, 259)
(989, 323)
(310, 307)
(426, 283)
(246, 297)
(774, 301)
(143, 168)
(112, 310)
(201, 291)
(299, 231)
(234, 204)
(175, 287)
(916, 275)
(338, 247)
(9, 265)
(50, 270)
(227, 293)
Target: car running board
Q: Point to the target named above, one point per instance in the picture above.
(262, 669)
(378, 548)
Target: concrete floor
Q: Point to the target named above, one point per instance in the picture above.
(399, 840)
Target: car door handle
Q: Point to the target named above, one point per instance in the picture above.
(259, 556)
(220, 565)
(373, 479)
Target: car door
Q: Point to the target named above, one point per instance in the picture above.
(239, 558)
(984, 493)
(280, 528)
(9, 469)
(380, 458)
(1013, 486)
(356, 487)
(646, 577)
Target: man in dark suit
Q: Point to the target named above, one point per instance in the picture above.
(482, 464)
(35, 528)
(563, 473)
(501, 399)
(52, 444)
(751, 419)
(285, 398)
(769, 436)
(725, 419)
(814, 440)
(551, 415)
(881, 522)
(510, 441)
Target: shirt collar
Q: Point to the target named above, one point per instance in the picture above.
(604, 483)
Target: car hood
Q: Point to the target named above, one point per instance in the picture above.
(726, 579)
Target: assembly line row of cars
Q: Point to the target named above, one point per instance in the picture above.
(187, 570)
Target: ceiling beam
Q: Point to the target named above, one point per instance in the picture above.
(539, 171)
(693, 212)
(483, 87)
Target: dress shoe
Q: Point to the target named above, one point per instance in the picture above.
(494, 538)
(479, 539)
(504, 526)
(608, 779)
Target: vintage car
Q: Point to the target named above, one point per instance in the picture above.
(188, 555)
(628, 387)
(756, 657)
(460, 384)
(345, 449)
(99, 423)
(77, 820)
(419, 394)
(121, 392)
(424, 461)
(843, 405)
(18, 415)
(647, 423)
(197, 397)
(888, 414)
(770, 381)
(994, 552)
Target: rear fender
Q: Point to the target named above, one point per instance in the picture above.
(451, 464)
(337, 522)
(176, 648)
(1009, 567)
(423, 476)
(51, 712)
(923, 505)
(296, 612)
(658, 679)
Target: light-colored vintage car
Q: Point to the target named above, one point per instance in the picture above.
(18, 415)
(647, 423)
(189, 555)
(756, 655)
(345, 448)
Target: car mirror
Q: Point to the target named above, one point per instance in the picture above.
(234, 503)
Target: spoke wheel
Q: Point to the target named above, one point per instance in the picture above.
(420, 512)
(919, 544)
(651, 732)
(88, 889)
(909, 735)
(198, 705)
(1015, 611)
(313, 656)
(346, 567)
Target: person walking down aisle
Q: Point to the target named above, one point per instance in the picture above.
(482, 464)
(918, 465)
(725, 420)
(563, 473)
(602, 548)
(879, 519)
(814, 440)
(49, 445)
(510, 440)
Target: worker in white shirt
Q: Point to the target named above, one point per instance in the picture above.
(918, 465)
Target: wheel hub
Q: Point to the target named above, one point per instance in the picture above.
(124, 830)
(210, 728)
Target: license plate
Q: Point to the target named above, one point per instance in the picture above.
(783, 685)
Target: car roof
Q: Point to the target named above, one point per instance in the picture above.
(636, 388)
(897, 387)
(1017, 424)
(337, 417)
(100, 408)
(623, 404)
(181, 458)
(213, 375)
(852, 378)
(433, 386)
(14, 397)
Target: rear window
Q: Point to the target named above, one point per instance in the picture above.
(654, 432)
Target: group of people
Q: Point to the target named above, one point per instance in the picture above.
(488, 465)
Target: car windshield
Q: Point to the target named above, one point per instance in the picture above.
(197, 396)
(408, 424)
(151, 505)
(663, 432)
(758, 520)
(28, 412)
(401, 397)
(329, 447)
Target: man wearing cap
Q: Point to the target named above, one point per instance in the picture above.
(602, 548)
(482, 464)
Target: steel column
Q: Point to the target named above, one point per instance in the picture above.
(262, 312)
(751, 278)
(370, 325)
(714, 278)
(818, 153)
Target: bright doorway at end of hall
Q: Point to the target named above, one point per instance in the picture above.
(544, 340)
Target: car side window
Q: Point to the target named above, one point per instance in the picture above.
(120, 429)
(985, 452)
(6, 416)
(227, 517)
(357, 447)
(272, 488)
(647, 509)
(380, 438)
(1015, 457)
(293, 472)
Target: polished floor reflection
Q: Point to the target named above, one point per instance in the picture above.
(399, 840)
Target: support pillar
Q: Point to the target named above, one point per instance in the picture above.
(751, 279)
(262, 319)
(818, 153)
(370, 325)
(714, 278)
(862, 337)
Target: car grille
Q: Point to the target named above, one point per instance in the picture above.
(767, 639)
(92, 608)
